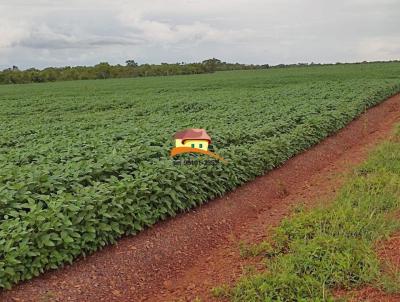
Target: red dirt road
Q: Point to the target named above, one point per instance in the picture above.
(184, 257)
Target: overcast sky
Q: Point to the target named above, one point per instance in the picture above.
(41, 33)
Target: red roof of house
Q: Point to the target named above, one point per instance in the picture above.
(194, 134)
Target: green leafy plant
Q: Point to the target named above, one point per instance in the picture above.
(83, 163)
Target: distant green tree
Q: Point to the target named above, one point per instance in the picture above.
(212, 64)
(131, 63)
(102, 70)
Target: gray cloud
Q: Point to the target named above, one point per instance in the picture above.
(61, 32)
(62, 41)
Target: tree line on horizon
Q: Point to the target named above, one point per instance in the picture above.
(105, 70)
(132, 69)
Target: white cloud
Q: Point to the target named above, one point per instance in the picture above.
(11, 32)
(60, 32)
(380, 48)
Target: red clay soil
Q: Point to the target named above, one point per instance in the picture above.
(184, 257)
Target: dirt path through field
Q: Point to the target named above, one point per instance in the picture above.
(184, 257)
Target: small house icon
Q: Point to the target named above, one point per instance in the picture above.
(193, 138)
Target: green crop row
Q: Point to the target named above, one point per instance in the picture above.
(84, 163)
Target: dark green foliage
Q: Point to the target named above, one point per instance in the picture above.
(106, 71)
(83, 163)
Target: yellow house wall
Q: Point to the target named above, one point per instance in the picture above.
(189, 142)
(178, 143)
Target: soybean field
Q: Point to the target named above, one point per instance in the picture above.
(83, 163)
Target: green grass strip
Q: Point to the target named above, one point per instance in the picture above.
(332, 246)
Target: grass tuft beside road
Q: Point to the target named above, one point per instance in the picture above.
(332, 247)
